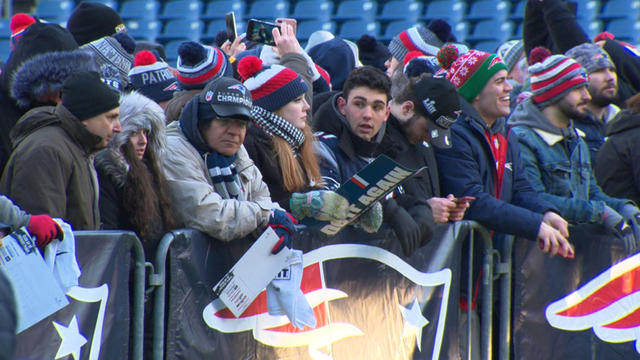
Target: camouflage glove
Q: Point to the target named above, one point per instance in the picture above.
(321, 205)
(371, 220)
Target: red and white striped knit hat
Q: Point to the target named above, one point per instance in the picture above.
(198, 64)
(415, 38)
(553, 76)
(272, 87)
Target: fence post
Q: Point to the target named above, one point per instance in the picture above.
(158, 280)
(504, 269)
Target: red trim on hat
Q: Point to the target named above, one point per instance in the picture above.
(541, 84)
(206, 76)
(563, 86)
(406, 41)
(281, 79)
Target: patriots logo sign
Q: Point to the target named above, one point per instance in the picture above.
(238, 87)
(609, 304)
(277, 331)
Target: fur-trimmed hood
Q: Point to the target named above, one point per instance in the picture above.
(44, 74)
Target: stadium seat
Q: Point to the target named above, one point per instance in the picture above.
(591, 27)
(5, 30)
(307, 27)
(407, 10)
(587, 10)
(625, 29)
(396, 27)
(354, 29)
(493, 30)
(110, 3)
(313, 10)
(451, 11)
(461, 30)
(181, 28)
(5, 50)
(218, 8)
(171, 49)
(517, 12)
(614, 9)
(54, 10)
(216, 26)
(182, 9)
(139, 9)
(364, 10)
(142, 29)
(269, 9)
(489, 46)
(488, 9)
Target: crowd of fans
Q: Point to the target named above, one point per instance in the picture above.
(97, 129)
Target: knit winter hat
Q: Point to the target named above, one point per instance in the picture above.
(152, 78)
(414, 38)
(19, 23)
(510, 52)
(336, 57)
(442, 30)
(85, 95)
(198, 64)
(553, 76)
(114, 56)
(469, 72)
(591, 57)
(91, 21)
(272, 87)
(372, 52)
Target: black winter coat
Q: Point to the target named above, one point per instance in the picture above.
(617, 166)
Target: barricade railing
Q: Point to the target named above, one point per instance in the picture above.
(471, 231)
(504, 270)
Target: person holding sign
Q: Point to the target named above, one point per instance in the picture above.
(214, 186)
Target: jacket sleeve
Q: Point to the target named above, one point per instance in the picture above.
(460, 175)
(11, 214)
(571, 209)
(110, 204)
(329, 168)
(551, 24)
(38, 181)
(198, 206)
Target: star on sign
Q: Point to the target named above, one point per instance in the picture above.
(414, 321)
(71, 339)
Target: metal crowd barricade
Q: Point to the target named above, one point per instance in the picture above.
(471, 230)
(137, 310)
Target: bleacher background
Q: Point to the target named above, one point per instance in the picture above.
(483, 24)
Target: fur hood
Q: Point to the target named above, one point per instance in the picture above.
(44, 74)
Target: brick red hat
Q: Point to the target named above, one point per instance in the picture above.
(272, 87)
(553, 76)
(471, 71)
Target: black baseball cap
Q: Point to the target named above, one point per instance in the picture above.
(439, 103)
(228, 98)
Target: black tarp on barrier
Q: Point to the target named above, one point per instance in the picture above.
(369, 302)
(95, 324)
(541, 281)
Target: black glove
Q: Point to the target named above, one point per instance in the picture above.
(284, 224)
(406, 229)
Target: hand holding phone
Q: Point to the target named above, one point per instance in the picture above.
(230, 21)
(464, 199)
(261, 32)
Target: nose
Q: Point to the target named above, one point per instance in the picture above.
(584, 92)
(508, 87)
(387, 64)
(116, 127)
(234, 128)
(367, 112)
(142, 140)
(305, 105)
(611, 75)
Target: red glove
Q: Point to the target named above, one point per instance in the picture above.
(44, 228)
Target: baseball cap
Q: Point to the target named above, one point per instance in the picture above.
(228, 98)
(440, 105)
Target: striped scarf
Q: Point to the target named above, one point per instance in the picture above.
(223, 174)
(274, 125)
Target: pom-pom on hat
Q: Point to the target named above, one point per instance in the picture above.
(372, 52)
(272, 87)
(415, 38)
(91, 21)
(553, 76)
(198, 64)
(469, 72)
(19, 23)
(152, 78)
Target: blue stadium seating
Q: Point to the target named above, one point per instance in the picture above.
(488, 9)
(408, 10)
(364, 10)
(54, 10)
(142, 29)
(591, 27)
(139, 9)
(171, 49)
(614, 9)
(5, 31)
(307, 27)
(313, 10)
(625, 29)
(182, 9)
(216, 26)
(489, 46)
(517, 11)
(218, 8)
(587, 10)
(110, 3)
(269, 9)
(494, 30)
(5, 50)
(182, 28)
(461, 30)
(354, 29)
(451, 11)
(396, 27)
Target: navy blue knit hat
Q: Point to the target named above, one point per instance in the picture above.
(272, 87)
(336, 57)
(152, 78)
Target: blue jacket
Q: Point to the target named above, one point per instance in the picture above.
(557, 164)
(468, 169)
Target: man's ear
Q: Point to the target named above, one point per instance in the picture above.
(342, 103)
(407, 108)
